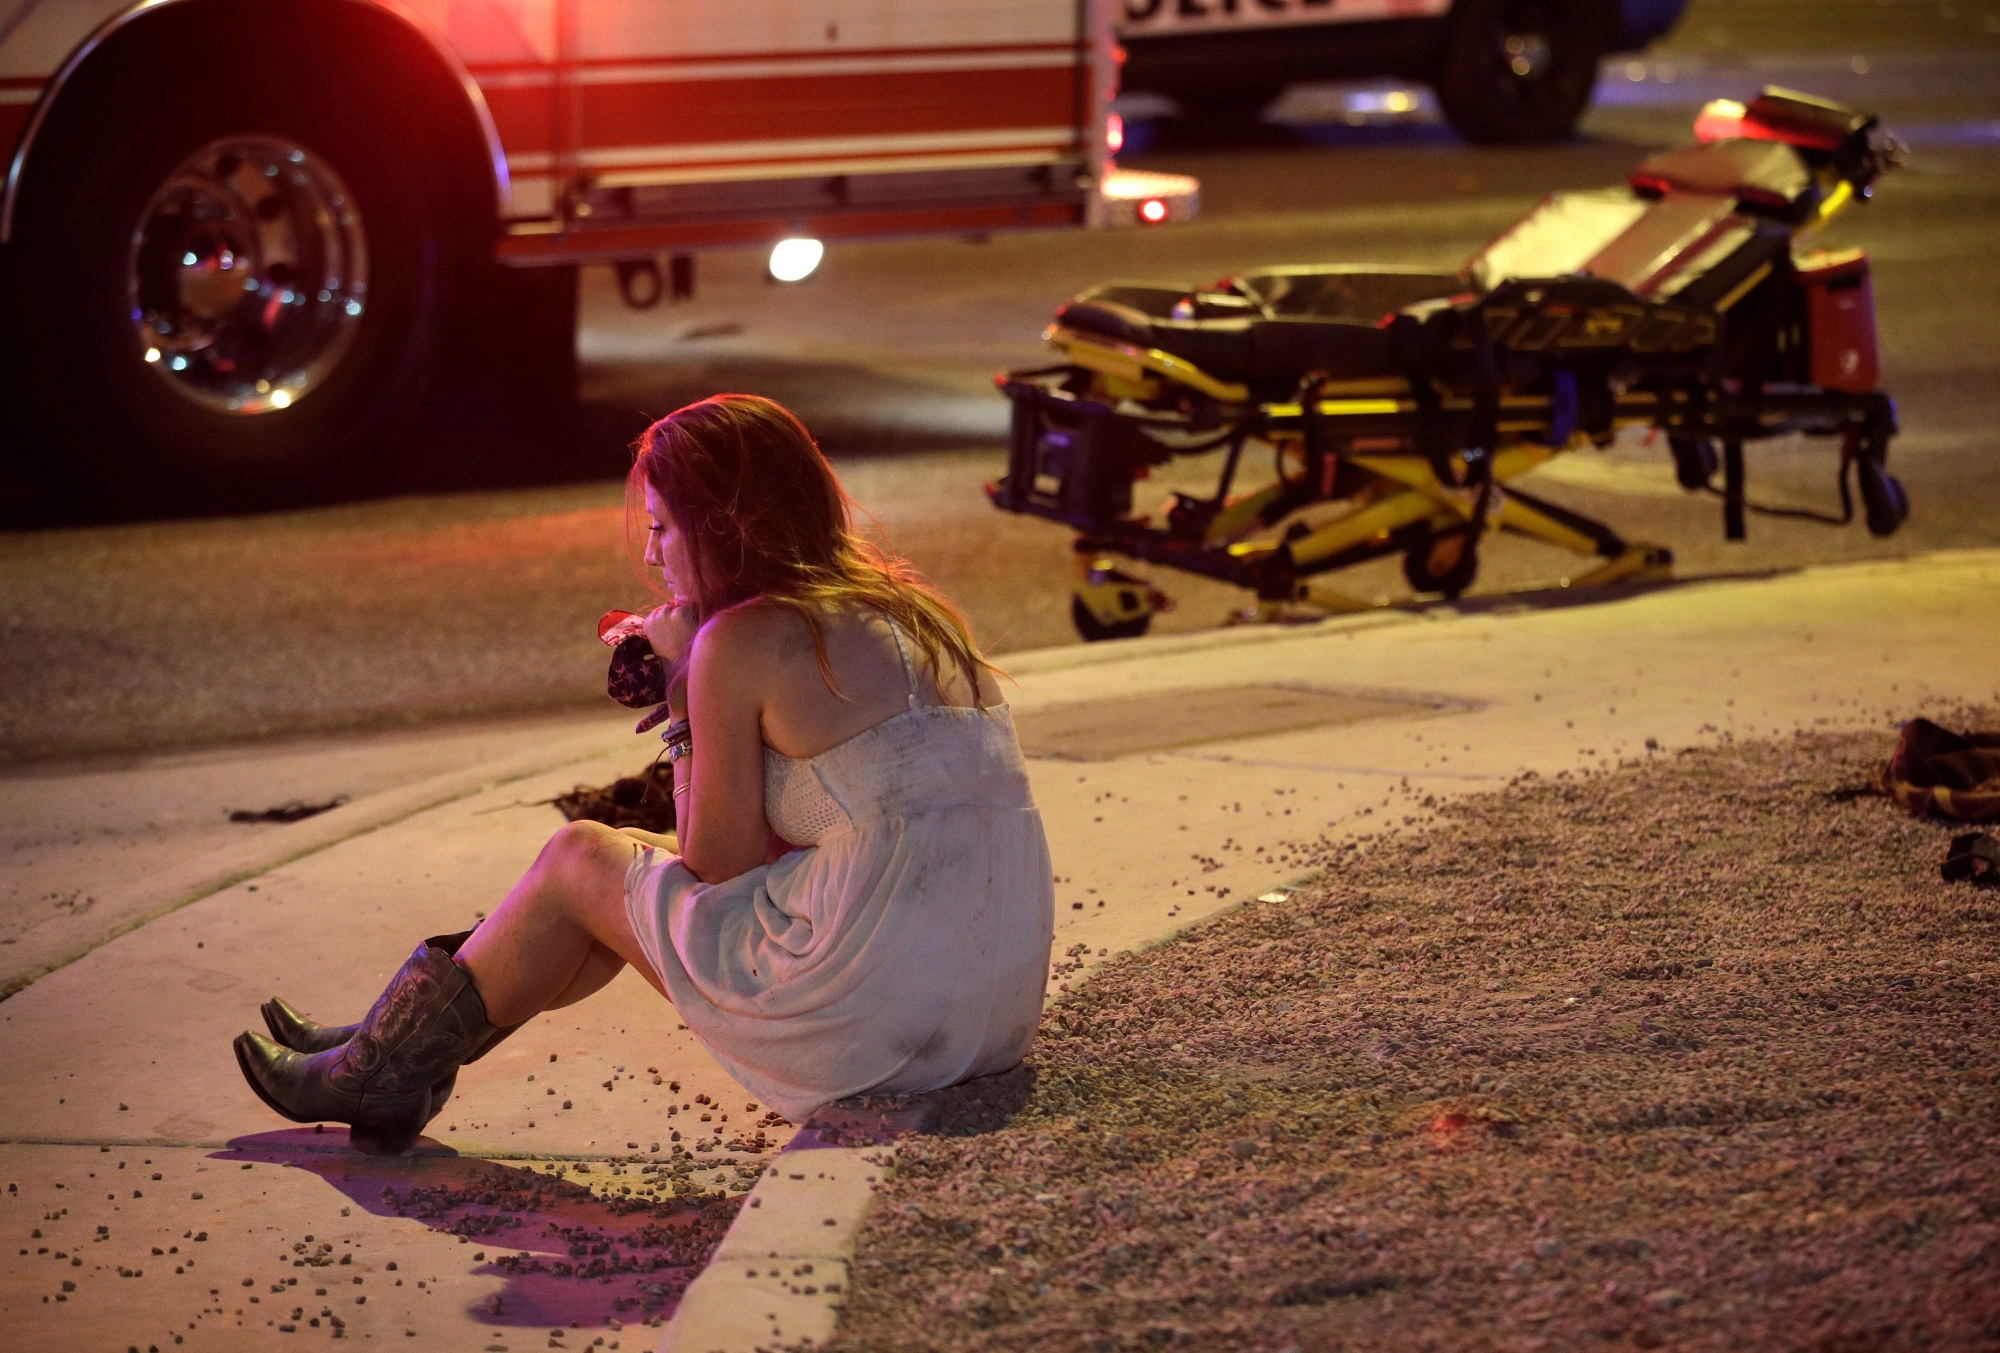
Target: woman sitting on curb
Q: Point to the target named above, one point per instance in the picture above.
(862, 900)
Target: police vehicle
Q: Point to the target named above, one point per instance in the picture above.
(1504, 70)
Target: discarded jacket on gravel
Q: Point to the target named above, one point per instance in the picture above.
(1974, 857)
(645, 800)
(1934, 770)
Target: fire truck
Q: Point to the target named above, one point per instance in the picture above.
(1504, 70)
(251, 249)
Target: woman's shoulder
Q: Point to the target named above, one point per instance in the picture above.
(759, 630)
(747, 629)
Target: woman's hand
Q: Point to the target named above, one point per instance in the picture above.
(670, 629)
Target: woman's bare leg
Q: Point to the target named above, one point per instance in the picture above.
(562, 932)
(596, 973)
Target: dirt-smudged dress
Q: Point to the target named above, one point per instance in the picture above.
(904, 949)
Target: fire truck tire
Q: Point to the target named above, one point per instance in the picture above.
(1520, 71)
(504, 405)
(238, 305)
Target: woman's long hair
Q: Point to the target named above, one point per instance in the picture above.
(764, 516)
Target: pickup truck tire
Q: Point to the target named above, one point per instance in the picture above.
(1520, 71)
(231, 286)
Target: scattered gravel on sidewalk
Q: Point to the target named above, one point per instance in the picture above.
(1696, 1053)
(588, 1245)
(647, 1244)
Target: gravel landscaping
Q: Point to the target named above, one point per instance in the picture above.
(1695, 1053)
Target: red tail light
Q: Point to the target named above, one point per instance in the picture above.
(1719, 120)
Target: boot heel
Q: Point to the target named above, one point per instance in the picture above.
(393, 1137)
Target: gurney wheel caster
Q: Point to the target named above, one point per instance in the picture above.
(1092, 629)
(1446, 562)
(1886, 501)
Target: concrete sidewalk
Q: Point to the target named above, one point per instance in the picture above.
(90, 849)
(1173, 774)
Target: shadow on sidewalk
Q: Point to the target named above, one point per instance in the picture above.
(983, 1104)
(1564, 598)
(568, 1254)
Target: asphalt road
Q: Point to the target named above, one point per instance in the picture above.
(126, 638)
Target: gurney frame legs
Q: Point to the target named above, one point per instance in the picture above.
(1075, 458)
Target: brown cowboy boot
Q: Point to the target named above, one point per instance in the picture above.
(301, 1034)
(382, 1081)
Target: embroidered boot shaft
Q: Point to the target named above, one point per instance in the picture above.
(294, 1030)
(382, 1081)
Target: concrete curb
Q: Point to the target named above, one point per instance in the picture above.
(783, 1271)
(1037, 661)
(1067, 657)
(120, 911)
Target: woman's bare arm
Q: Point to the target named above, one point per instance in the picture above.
(722, 828)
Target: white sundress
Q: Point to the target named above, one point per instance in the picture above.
(904, 949)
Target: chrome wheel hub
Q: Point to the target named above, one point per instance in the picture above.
(248, 275)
